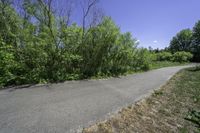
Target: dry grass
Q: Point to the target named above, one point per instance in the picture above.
(162, 112)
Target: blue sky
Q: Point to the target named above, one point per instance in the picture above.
(153, 22)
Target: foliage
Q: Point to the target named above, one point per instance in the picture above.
(6, 63)
(143, 60)
(36, 46)
(194, 117)
(196, 41)
(187, 40)
(182, 56)
(182, 41)
(164, 56)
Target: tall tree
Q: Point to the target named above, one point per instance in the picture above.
(9, 23)
(196, 41)
(182, 41)
(87, 6)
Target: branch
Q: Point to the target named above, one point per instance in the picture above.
(85, 13)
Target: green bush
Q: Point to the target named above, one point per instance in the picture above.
(164, 56)
(6, 64)
(143, 60)
(182, 56)
(176, 57)
(48, 50)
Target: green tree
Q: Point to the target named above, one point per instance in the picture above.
(38, 46)
(182, 41)
(142, 60)
(196, 41)
(6, 63)
(123, 53)
(95, 50)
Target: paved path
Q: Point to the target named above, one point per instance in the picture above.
(65, 107)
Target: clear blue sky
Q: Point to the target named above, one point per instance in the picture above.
(153, 22)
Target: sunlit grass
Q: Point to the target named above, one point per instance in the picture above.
(160, 64)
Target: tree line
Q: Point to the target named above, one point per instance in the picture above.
(187, 40)
(40, 43)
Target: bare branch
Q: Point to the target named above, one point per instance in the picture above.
(86, 11)
(67, 11)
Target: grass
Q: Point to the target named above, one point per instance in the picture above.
(154, 65)
(173, 108)
(160, 64)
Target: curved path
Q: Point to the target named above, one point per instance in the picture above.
(66, 107)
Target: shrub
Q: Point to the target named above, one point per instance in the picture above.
(142, 60)
(164, 56)
(182, 56)
(6, 64)
(48, 50)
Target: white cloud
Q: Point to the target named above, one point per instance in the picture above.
(137, 41)
(155, 41)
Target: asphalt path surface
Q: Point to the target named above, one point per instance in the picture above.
(66, 107)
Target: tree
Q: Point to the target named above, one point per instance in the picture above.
(196, 41)
(182, 41)
(38, 43)
(9, 23)
(6, 63)
(86, 8)
(97, 45)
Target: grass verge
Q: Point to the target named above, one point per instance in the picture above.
(160, 64)
(173, 108)
(154, 65)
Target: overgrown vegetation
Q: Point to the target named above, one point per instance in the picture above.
(173, 108)
(39, 43)
(181, 56)
(37, 46)
(187, 40)
(160, 64)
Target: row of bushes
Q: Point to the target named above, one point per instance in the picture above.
(48, 50)
(176, 57)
